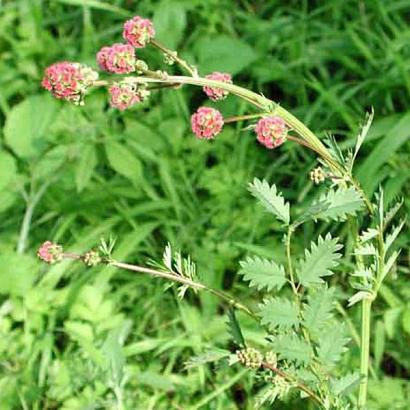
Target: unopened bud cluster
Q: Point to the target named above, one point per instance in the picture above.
(92, 258)
(282, 386)
(271, 358)
(317, 175)
(250, 357)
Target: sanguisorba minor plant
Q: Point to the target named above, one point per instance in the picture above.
(305, 338)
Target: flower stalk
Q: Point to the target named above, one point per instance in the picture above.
(172, 276)
(364, 352)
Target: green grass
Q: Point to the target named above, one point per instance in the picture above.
(142, 176)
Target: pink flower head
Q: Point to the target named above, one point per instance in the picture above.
(207, 122)
(50, 252)
(271, 131)
(119, 58)
(102, 58)
(68, 81)
(215, 93)
(138, 31)
(123, 95)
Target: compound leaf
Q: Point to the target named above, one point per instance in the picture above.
(262, 273)
(332, 343)
(336, 205)
(319, 261)
(271, 199)
(318, 310)
(279, 313)
(293, 348)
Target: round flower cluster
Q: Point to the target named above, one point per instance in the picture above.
(250, 357)
(271, 131)
(207, 122)
(138, 31)
(125, 94)
(215, 93)
(50, 252)
(68, 81)
(118, 58)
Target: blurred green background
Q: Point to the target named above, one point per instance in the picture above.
(73, 174)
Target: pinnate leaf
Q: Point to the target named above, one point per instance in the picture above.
(234, 329)
(262, 273)
(293, 348)
(319, 261)
(336, 205)
(332, 344)
(271, 199)
(279, 313)
(345, 384)
(318, 310)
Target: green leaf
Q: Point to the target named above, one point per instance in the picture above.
(224, 53)
(319, 262)
(293, 348)
(208, 357)
(318, 310)
(123, 161)
(17, 273)
(85, 167)
(235, 329)
(362, 135)
(271, 199)
(391, 237)
(262, 273)
(332, 343)
(369, 171)
(336, 205)
(405, 320)
(170, 22)
(98, 5)
(8, 169)
(379, 344)
(279, 313)
(345, 384)
(27, 124)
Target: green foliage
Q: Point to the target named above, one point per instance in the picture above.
(262, 273)
(58, 348)
(319, 261)
(27, 126)
(331, 345)
(271, 199)
(279, 313)
(336, 204)
(293, 348)
(235, 329)
(318, 309)
(346, 384)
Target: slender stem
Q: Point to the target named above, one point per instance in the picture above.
(291, 379)
(175, 278)
(187, 282)
(173, 55)
(307, 136)
(157, 273)
(33, 200)
(160, 86)
(364, 354)
(243, 117)
(366, 200)
(289, 260)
